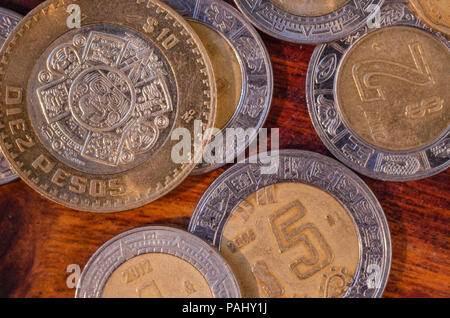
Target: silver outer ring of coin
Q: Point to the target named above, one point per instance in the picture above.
(254, 61)
(243, 179)
(309, 30)
(338, 136)
(156, 239)
(8, 20)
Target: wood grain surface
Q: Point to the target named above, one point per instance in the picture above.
(39, 239)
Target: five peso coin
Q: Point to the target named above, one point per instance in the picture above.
(311, 229)
(434, 13)
(8, 20)
(242, 69)
(309, 22)
(87, 113)
(156, 262)
(379, 98)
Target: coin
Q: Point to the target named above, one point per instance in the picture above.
(312, 229)
(310, 21)
(379, 98)
(90, 111)
(435, 13)
(155, 262)
(242, 68)
(8, 20)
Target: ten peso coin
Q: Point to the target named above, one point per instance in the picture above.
(88, 113)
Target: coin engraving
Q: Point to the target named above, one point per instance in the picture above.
(106, 99)
(252, 217)
(309, 22)
(157, 262)
(399, 96)
(289, 237)
(156, 275)
(413, 113)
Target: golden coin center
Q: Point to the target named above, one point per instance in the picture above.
(309, 8)
(156, 275)
(438, 11)
(227, 72)
(392, 88)
(291, 240)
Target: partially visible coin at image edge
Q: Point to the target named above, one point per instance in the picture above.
(434, 13)
(309, 22)
(8, 20)
(155, 262)
(379, 98)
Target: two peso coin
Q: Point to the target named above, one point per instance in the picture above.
(309, 22)
(156, 262)
(8, 20)
(87, 113)
(311, 229)
(379, 98)
(242, 69)
(434, 13)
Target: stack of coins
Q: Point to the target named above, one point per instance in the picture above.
(90, 115)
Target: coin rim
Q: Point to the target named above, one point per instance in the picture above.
(18, 16)
(368, 195)
(308, 21)
(407, 19)
(90, 265)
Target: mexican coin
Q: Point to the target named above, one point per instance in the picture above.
(435, 13)
(8, 20)
(89, 112)
(379, 98)
(311, 229)
(157, 262)
(309, 21)
(242, 69)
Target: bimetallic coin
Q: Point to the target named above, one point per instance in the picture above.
(309, 21)
(90, 111)
(435, 13)
(8, 21)
(312, 229)
(242, 69)
(379, 98)
(156, 262)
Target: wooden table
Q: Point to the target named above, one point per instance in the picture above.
(39, 238)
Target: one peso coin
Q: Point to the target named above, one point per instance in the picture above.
(379, 98)
(311, 229)
(88, 113)
(243, 73)
(157, 262)
(309, 21)
(8, 21)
